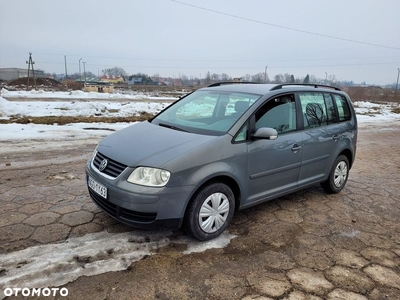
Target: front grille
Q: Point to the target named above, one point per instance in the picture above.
(113, 169)
(124, 215)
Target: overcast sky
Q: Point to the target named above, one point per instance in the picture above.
(355, 40)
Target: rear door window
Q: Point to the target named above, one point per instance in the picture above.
(314, 110)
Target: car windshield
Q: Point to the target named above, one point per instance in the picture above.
(206, 112)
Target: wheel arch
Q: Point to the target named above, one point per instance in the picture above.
(229, 181)
(349, 155)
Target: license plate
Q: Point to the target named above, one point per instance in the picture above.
(97, 187)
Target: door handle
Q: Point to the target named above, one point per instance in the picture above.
(296, 148)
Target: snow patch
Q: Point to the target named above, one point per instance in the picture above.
(93, 254)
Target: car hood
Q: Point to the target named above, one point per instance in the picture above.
(147, 144)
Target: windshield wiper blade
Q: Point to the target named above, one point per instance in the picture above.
(172, 127)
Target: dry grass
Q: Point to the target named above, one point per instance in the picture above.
(50, 120)
(374, 94)
(396, 110)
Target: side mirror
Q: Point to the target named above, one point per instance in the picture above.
(265, 133)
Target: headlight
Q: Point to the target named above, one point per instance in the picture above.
(149, 176)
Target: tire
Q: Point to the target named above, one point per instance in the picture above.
(338, 176)
(210, 212)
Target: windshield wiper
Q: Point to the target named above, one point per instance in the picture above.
(172, 127)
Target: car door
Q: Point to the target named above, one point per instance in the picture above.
(274, 165)
(319, 136)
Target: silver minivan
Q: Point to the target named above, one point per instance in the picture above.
(221, 149)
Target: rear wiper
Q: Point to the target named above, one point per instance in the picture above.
(172, 127)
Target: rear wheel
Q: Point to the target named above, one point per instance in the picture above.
(210, 211)
(338, 176)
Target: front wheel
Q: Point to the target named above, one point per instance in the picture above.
(338, 176)
(210, 212)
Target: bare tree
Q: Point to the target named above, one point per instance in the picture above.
(214, 77)
(247, 77)
(225, 77)
(156, 77)
(259, 77)
(207, 79)
(278, 78)
(116, 71)
(332, 79)
(313, 79)
(287, 78)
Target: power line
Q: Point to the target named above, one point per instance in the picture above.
(245, 60)
(230, 67)
(285, 27)
(217, 60)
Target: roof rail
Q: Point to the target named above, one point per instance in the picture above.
(231, 82)
(315, 85)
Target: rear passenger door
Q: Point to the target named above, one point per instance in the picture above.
(320, 135)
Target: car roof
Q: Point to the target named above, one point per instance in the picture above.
(263, 89)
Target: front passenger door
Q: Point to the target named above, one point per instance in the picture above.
(274, 165)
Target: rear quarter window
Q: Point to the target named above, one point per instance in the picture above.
(342, 105)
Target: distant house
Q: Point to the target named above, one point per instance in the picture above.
(177, 82)
(166, 82)
(135, 80)
(99, 87)
(112, 79)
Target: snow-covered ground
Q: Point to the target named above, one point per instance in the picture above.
(73, 105)
(40, 95)
(367, 113)
(60, 263)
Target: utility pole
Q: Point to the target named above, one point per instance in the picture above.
(80, 74)
(265, 75)
(30, 64)
(84, 70)
(65, 62)
(397, 84)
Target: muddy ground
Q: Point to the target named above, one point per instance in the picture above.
(308, 245)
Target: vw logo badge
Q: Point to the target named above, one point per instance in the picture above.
(103, 165)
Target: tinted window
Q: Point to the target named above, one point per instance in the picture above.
(314, 109)
(278, 113)
(343, 108)
(330, 109)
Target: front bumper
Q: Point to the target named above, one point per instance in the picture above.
(141, 207)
